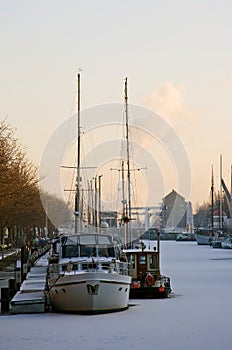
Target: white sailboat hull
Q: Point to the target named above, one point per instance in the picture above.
(90, 292)
(202, 239)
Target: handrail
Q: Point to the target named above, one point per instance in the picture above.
(86, 265)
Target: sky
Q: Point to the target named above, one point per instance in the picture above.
(176, 54)
(194, 317)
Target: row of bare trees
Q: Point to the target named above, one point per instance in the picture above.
(22, 216)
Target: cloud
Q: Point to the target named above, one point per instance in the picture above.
(168, 101)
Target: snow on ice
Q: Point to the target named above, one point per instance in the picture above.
(197, 315)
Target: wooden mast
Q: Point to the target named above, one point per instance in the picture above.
(220, 224)
(77, 194)
(128, 216)
(212, 201)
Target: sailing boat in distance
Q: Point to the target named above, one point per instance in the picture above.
(86, 272)
(204, 235)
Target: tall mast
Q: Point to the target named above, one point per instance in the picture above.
(124, 205)
(231, 191)
(231, 180)
(99, 201)
(77, 195)
(123, 193)
(128, 155)
(95, 202)
(212, 200)
(220, 192)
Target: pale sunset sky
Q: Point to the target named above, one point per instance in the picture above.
(177, 55)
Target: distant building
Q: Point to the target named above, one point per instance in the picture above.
(177, 215)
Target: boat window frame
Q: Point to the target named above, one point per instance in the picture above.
(153, 266)
(97, 246)
(131, 260)
(144, 263)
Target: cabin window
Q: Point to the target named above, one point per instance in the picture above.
(106, 251)
(86, 250)
(103, 251)
(153, 262)
(69, 251)
(104, 240)
(88, 240)
(142, 260)
(131, 260)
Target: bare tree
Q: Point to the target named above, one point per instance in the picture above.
(21, 209)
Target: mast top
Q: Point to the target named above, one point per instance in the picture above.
(212, 180)
(126, 96)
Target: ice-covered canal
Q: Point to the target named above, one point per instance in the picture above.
(197, 316)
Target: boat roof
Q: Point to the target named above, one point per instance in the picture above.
(87, 238)
(139, 250)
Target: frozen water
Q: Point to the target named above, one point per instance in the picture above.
(197, 316)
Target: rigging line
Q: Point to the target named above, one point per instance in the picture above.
(137, 136)
(135, 195)
(134, 190)
(73, 107)
(109, 191)
(87, 175)
(118, 202)
(112, 163)
(112, 180)
(73, 181)
(123, 153)
(72, 112)
(123, 142)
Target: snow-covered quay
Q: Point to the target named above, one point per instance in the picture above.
(197, 316)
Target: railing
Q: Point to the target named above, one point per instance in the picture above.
(75, 267)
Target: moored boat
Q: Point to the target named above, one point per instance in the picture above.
(86, 275)
(186, 236)
(217, 242)
(203, 236)
(227, 243)
(147, 281)
(86, 272)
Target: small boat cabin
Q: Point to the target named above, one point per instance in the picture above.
(144, 268)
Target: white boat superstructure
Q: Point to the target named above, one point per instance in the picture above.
(86, 275)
